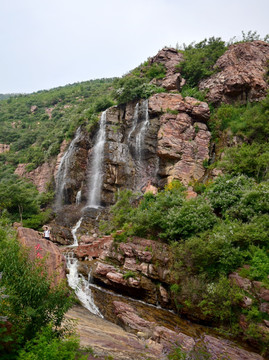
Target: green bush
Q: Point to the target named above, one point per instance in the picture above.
(47, 345)
(253, 202)
(33, 301)
(131, 88)
(193, 216)
(210, 253)
(259, 264)
(200, 58)
(249, 159)
(193, 92)
(221, 300)
(227, 191)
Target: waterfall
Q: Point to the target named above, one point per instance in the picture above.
(78, 197)
(140, 137)
(74, 232)
(63, 169)
(135, 121)
(77, 281)
(139, 128)
(81, 286)
(96, 171)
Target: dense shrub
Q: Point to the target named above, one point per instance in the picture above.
(32, 302)
(227, 191)
(131, 88)
(48, 345)
(249, 159)
(192, 217)
(200, 58)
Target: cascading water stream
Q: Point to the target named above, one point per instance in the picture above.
(76, 281)
(96, 171)
(140, 137)
(62, 172)
(139, 128)
(78, 197)
(135, 121)
(81, 286)
(74, 232)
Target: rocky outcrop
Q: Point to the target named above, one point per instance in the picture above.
(71, 169)
(137, 266)
(4, 148)
(110, 340)
(94, 247)
(224, 349)
(168, 339)
(254, 291)
(170, 58)
(40, 248)
(183, 137)
(241, 75)
(40, 177)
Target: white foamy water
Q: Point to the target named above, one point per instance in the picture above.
(135, 121)
(74, 232)
(80, 285)
(78, 197)
(140, 137)
(96, 170)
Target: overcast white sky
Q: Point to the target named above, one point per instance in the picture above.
(48, 43)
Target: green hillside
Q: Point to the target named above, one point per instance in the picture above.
(224, 229)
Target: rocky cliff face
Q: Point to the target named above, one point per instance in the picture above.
(242, 74)
(148, 142)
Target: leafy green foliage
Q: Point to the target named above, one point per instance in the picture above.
(22, 201)
(136, 85)
(200, 58)
(131, 88)
(36, 124)
(32, 301)
(18, 197)
(192, 217)
(249, 121)
(250, 159)
(193, 92)
(227, 190)
(47, 345)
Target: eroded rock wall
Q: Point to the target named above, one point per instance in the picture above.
(241, 76)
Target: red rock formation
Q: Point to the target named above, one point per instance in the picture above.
(170, 58)
(224, 349)
(242, 74)
(98, 248)
(40, 248)
(40, 176)
(183, 140)
(168, 339)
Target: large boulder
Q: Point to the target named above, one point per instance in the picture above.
(241, 74)
(42, 248)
